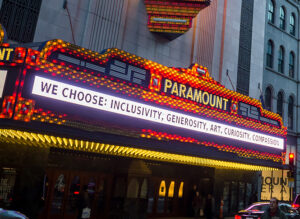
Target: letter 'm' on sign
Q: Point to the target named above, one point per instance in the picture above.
(3, 74)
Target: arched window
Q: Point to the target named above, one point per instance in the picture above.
(271, 12)
(281, 59)
(290, 112)
(292, 24)
(268, 98)
(270, 54)
(291, 64)
(282, 18)
(280, 103)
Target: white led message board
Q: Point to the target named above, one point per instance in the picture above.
(97, 100)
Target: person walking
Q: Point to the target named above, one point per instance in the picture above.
(273, 212)
(191, 197)
(197, 204)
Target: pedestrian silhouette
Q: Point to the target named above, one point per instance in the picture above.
(197, 204)
(273, 211)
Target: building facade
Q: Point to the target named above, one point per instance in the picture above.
(281, 68)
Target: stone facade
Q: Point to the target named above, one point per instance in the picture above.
(283, 81)
(213, 40)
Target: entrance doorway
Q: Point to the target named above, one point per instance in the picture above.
(63, 190)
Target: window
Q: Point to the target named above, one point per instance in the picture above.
(281, 59)
(271, 12)
(270, 54)
(260, 207)
(241, 202)
(101, 196)
(73, 196)
(234, 196)
(290, 112)
(292, 24)
(282, 18)
(20, 19)
(291, 64)
(268, 98)
(280, 103)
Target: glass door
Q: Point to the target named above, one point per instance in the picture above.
(57, 194)
(67, 193)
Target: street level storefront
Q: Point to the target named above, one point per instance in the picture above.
(139, 135)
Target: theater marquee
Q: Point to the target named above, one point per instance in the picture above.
(117, 96)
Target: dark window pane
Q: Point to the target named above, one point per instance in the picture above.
(151, 195)
(20, 18)
(248, 194)
(290, 112)
(73, 195)
(226, 193)
(241, 195)
(282, 18)
(270, 54)
(271, 12)
(281, 60)
(280, 103)
(234, 198)
(268, 98)
(292, 24)
(291, 64)
(101, 196)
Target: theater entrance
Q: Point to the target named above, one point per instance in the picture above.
(63, 192)
(119, 188)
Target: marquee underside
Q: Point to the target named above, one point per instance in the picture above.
(46, 141)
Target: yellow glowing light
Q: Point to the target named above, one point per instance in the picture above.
(43, 140)
(162, 189)
(171, 189)
(180, 191)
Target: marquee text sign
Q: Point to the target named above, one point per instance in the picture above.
(194, 94)
(103, 102)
